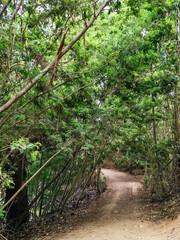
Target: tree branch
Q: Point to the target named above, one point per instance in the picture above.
(16, 11)
(4, 8)
(44, 71)
(69, 96)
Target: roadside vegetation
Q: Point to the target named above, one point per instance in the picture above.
(82, 82)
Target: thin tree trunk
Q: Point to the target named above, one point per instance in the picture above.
(16, 209)
(176, 114)
(29, 180)
(40, 194)
(154, 125)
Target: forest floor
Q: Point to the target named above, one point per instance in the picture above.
(122, 212)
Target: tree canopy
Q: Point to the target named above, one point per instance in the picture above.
(83, 82)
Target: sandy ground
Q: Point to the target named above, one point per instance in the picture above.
(121, 213)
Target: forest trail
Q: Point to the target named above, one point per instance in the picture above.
(121, 213)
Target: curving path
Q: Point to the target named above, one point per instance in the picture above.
(121, 213)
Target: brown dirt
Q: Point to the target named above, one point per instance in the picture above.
(123, 212)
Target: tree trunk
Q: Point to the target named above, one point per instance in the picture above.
(16, 208)
(176, 115)
(176, 136)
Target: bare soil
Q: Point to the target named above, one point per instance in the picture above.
(122, 212)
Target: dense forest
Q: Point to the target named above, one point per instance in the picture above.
(82, 82)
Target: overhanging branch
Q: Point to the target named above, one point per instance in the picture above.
(33, 82)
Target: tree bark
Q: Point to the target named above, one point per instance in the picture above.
(16, 209)
(24, 185)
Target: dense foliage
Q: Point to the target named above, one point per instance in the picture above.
(114, 96)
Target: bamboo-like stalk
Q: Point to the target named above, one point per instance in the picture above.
(46, 187)
(76, 179)
(36, 191)
(90, 176)
(65, 192)
(58, 186)
(27, 182)
(66, 189)
(98, 184)
(48, 204)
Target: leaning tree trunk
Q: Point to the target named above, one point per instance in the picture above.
(17, 208)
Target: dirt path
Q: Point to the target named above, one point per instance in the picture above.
(121, 213)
